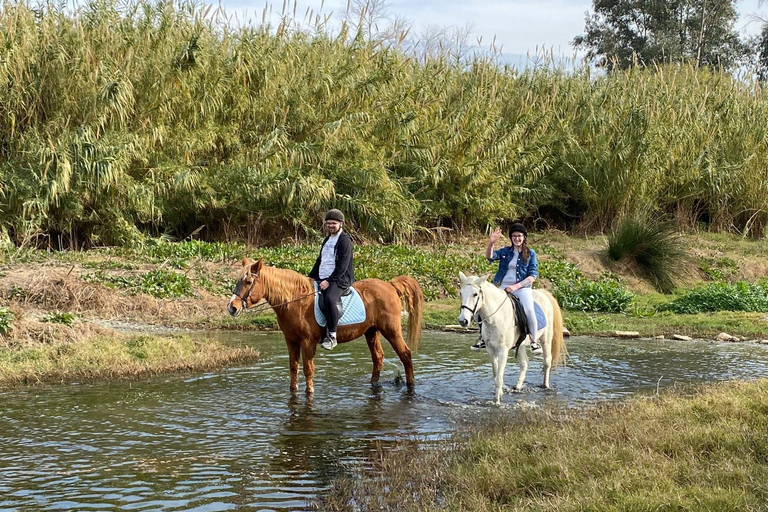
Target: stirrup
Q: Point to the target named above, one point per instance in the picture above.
(329, 343)
(535, 348)
(480, 345)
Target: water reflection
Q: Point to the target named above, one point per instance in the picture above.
(239, 439)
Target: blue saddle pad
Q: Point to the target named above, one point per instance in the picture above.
(541, 320)
(354, 309)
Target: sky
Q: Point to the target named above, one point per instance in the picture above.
(520, 27)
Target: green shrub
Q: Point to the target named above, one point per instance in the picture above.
(608, 295)
(575, 292)
(164, 284)
(740, 296)
(6, 320)
(651, 246)
(718, 269)
(59, 317)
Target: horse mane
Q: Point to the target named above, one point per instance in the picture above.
(282, 285)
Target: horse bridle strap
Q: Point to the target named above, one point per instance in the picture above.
(244, 297)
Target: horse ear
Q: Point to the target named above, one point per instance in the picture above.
(462, 278)
(256, 267)
(483, 278)
(247, 261)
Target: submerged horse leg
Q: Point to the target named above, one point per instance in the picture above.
(377, 354)
(522, 360)
(546, 344)
(293, 364)
(308, 349)
(395, 338)
(498, 379)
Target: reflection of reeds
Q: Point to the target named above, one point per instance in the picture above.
(160, 117)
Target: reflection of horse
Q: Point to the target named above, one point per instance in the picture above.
(481, 299)
(291, 295)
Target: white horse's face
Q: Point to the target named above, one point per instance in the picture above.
(471, 297)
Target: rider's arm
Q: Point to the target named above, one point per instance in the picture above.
(343, 258)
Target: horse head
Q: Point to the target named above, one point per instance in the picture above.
(248, 289)
(471, 297)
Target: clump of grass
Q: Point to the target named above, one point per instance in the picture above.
(652, 247)
(59, 317)
(6, 320)
(676, 451)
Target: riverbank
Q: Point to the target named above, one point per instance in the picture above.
(59, 299)
(39, 352)
(696, 449)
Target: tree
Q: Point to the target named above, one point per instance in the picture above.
(622, 33)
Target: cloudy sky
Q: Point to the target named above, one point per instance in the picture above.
(519, 26)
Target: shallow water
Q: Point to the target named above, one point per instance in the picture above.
(239, 440)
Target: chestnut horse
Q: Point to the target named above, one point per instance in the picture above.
(291, 295)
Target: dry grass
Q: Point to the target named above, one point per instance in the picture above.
(61, 288)
(44, 352)
(679, 451)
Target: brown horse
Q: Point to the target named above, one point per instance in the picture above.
(291, 296)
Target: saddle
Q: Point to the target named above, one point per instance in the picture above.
(351, 308)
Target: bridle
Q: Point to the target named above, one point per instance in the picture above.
(245, 297)
(473, 310)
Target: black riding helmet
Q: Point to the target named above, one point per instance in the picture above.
(517, 228)
(334, 214)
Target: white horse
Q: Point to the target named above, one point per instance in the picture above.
(484, 302)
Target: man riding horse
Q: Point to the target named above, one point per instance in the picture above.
(334, 271)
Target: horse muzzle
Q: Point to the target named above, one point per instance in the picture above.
(233, 310)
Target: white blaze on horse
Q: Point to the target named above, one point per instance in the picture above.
(484, 303)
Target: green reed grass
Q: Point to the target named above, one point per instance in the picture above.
(651, 246)
(155, 116)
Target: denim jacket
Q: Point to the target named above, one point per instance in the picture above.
(524, 269)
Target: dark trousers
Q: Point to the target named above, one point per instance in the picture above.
(331, 300)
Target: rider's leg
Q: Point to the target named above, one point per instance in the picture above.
(526, 299)
(331, 299)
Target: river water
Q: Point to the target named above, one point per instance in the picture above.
(238, 440)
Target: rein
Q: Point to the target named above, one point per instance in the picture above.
(262, 308)
(245, 296)
(477, 315)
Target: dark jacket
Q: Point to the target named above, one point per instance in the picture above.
(344, 273)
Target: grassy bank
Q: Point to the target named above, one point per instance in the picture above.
(56, 353)
(706, 450)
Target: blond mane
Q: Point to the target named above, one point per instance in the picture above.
(282, 285)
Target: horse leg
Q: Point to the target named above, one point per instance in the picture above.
(522, 360)
(293, 364)
(308, 356)
(377, 354)
(395, 338)
(546, 346)
(501, 358)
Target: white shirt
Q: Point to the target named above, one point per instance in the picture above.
(510, 277)
(328, 257)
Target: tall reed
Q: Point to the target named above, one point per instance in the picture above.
(158, 116)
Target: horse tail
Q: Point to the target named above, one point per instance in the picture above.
(409, 290)
(559, 350)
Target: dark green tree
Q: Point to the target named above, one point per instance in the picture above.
(623, 33)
